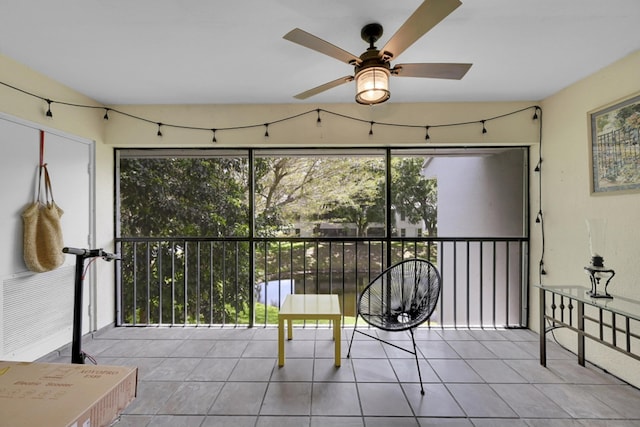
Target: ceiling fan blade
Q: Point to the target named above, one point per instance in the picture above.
(310, 41)
(427, 16)
(432, 70)
(322, 88)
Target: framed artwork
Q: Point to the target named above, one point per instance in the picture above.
(615, 146)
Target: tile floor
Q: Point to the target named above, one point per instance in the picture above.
(206, 377)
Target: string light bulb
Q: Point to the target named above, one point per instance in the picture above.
(214, 140)
(426, 136)
(370, 129)
(318, 120)
(106, 114)
(266, 130)
(159, 131)
(49, 113)
(484, 129)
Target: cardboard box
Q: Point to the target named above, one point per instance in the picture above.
(64, 395)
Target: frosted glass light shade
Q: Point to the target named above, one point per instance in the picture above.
(372, 85)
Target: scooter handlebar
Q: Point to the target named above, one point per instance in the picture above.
(91, 253)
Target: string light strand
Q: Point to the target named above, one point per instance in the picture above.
(109, 110)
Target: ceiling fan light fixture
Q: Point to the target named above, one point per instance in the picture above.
(372, 85)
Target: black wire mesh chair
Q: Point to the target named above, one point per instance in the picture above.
(400, 298)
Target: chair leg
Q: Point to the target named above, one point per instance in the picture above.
(415, 353)
(352, 335)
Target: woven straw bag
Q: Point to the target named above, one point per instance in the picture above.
(42, 236)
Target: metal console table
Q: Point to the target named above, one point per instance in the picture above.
(611, 322)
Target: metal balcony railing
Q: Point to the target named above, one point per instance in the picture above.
(242, 281)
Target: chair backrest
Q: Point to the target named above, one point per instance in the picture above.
(401, 297)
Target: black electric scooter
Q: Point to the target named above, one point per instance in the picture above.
(77, 355)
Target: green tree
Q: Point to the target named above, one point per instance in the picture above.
(356, 193)
(332, 189)
(183, 197)
(412, 194)
(284, 187)
(209, 197)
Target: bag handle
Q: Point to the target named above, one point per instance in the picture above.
(42, 167)
(48, 189)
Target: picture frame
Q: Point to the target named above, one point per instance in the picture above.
(615, 146)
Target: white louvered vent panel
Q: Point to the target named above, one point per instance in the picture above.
(37, 307)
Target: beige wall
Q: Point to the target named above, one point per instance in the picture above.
(567, 202)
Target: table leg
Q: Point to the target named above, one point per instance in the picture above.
(290, 329)
(281, 321)
(580, 333)
(337, 332)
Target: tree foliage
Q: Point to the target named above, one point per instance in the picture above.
(414, 195)
(184, 197)
(356, 193)
(284, 186)
(340, 190)
(179, 197)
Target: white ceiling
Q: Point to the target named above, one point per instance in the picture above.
(232, 52)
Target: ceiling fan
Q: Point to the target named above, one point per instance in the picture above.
(372, 69)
